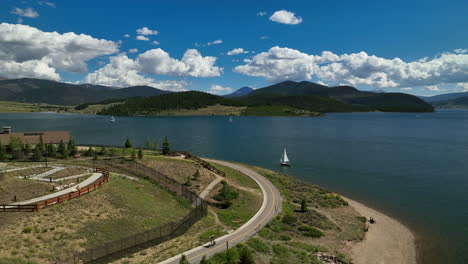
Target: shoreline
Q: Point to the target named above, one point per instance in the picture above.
(388, 241)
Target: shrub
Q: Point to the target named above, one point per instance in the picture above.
(27, 229)
(361, 219)
(289, 219)
(281, 251)
(310, 231)
(258, 245)
(285, 237)
(226, 195)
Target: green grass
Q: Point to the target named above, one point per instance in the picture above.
(242, 209)
(258, 245)
(237, 176)
(142, 205)
(11, 107)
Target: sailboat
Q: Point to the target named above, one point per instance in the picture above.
(112, 119)
(230, 119)
(284, 159)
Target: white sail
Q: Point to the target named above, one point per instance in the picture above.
(230, 119)
(284, 158)
(112, 119)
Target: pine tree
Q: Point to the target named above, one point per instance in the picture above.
(304, 206)
(196, 176)
(37, 155)
(65, 152)
(71, 145)
(128, 144)
(42, 148)
(149, 144)
(140, 153)
(183, 260)
(133, 156)
(27, 150)
(61, 148)
(166, 150)
(51, 150)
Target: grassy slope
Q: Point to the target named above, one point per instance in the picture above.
(218, 222)
(120, 208)
(11, 107)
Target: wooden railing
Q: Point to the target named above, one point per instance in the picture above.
(60, 199)
(18, 208)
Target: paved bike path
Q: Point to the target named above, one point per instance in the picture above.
(271, 206)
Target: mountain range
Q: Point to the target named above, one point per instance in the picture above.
(343, 98)
(50, 92)
(450, 100)
(298, 95)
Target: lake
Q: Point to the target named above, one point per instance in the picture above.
(413, 167)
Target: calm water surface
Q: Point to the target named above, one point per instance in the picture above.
(411, 166)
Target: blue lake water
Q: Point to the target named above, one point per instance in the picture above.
(411, 166)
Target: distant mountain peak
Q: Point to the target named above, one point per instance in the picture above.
(240, 92)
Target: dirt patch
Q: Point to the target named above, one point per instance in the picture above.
(23, 189)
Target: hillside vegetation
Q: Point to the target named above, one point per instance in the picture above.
(283, 99)
(461, 102)
(56, 93)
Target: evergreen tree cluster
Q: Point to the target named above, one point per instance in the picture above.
(16, 150)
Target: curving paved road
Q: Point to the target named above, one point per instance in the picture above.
(271, 207)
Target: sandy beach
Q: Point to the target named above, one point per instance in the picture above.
(387, 241)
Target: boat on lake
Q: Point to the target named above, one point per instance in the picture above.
(284, 159)
(112, 119)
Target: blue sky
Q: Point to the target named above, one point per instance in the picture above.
(408, 30)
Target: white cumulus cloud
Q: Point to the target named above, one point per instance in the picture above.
(146, 31)
(285, 17)
(432, 88)
(27, 12)
(126, 36)
(261, 13)
(236, 51)
(158, 61)
(29, 52)
(142, 38)
(121, 72)
(218, 89)
(279, 64)
(133, 50)
(155, 42)
(214, 42)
